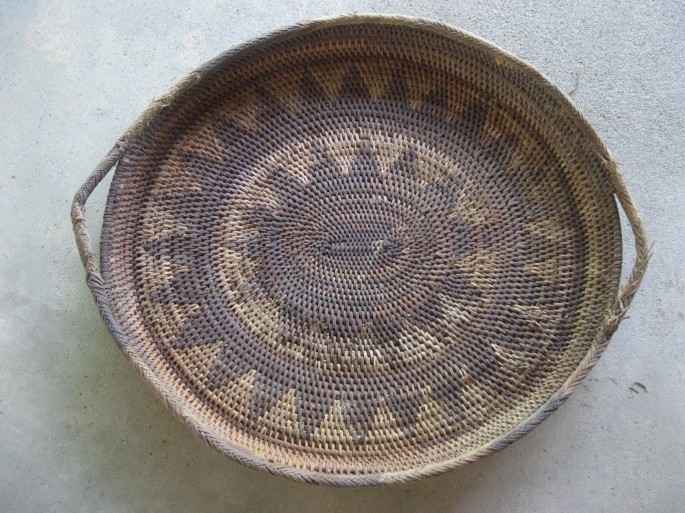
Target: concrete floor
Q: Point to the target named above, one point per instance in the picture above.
(80, 432)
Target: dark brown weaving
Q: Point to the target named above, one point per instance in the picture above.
(362, 250)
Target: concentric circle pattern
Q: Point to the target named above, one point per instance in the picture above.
(363, 249)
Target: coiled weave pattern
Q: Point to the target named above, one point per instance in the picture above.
(362, 250)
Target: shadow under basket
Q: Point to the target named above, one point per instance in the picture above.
(362, 250)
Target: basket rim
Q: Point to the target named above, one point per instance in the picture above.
(178, 405)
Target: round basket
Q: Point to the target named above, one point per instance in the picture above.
(362, 250)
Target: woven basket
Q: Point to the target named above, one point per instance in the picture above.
(362, 250)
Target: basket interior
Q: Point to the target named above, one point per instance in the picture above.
(362, 249)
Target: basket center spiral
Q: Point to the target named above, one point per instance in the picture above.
(352, 260)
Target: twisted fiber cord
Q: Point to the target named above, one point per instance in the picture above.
(171, 397)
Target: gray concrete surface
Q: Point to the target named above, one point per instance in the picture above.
(80, 432)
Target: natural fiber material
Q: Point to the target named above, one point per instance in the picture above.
(362, 250)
